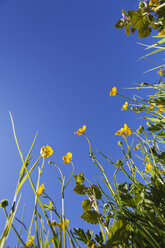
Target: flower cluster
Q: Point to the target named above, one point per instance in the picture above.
(148, 167)
(126, 131)
(61, 224)
(30, 241)
(160, 108)
(154, 4)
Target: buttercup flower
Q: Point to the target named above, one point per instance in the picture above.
(148, 167)
(162, 32)
(137, 147)
(126, 131)
(125, 106)
(160, 108)
(46, 151)
(41, 189)
(30, 241)
(61, 225)
(154, 3)
(67, 158)
(81, 130)
(151, 106)
(113, 92)
(162, 71)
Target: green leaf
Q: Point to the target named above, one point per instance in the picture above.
(80, 189)
(120, 24)
(80, 178)
(138, 20)
(80, 235)
(154, 128)
(119, 233)
(127, 28)
(133, 30)
(94, 190)
(144, 31)
(91, 216)
(86, 205)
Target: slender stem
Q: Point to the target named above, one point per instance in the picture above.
(18, 236)
(70, 176)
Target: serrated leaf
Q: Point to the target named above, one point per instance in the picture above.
(91, 217)
(127, 28)
(80, 189)
(80, 234)
(119, 232)
(144, 31)
(86, 205)
(138, 20)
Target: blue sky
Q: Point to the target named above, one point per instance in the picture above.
(58, 63)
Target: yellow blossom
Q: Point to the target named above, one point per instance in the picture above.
(137, 147)
(30, 241)
(41, 189)
(46, 151)
(148, 167)
(92, 246)
(113, 92)
(154, 4)
(151, 106)
(125, 106)
(81, 130)
(162, 32)
(67, 158)
(162, 71)
(61, 225)
(126, 131)
(160, 108)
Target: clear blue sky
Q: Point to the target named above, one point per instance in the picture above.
(58, 63)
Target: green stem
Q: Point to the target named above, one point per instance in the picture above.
(18, 236)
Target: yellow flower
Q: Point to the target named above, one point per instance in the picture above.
(154, 3)
(161, 72)
(137, 147)
(113, 92)
(162, 32)
(46, 151)
(151, 106)
(41, 189)
(61, 225)
(92, 246)
(67, 158)
(160, 108)
(81, 130)
(148, 167)
(126, 131)
(30, 241)
(125, 106)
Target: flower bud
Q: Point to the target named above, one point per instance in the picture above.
(140, 129)
(148, 123)
(4, 203)
(119, 163)
(120, 143)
